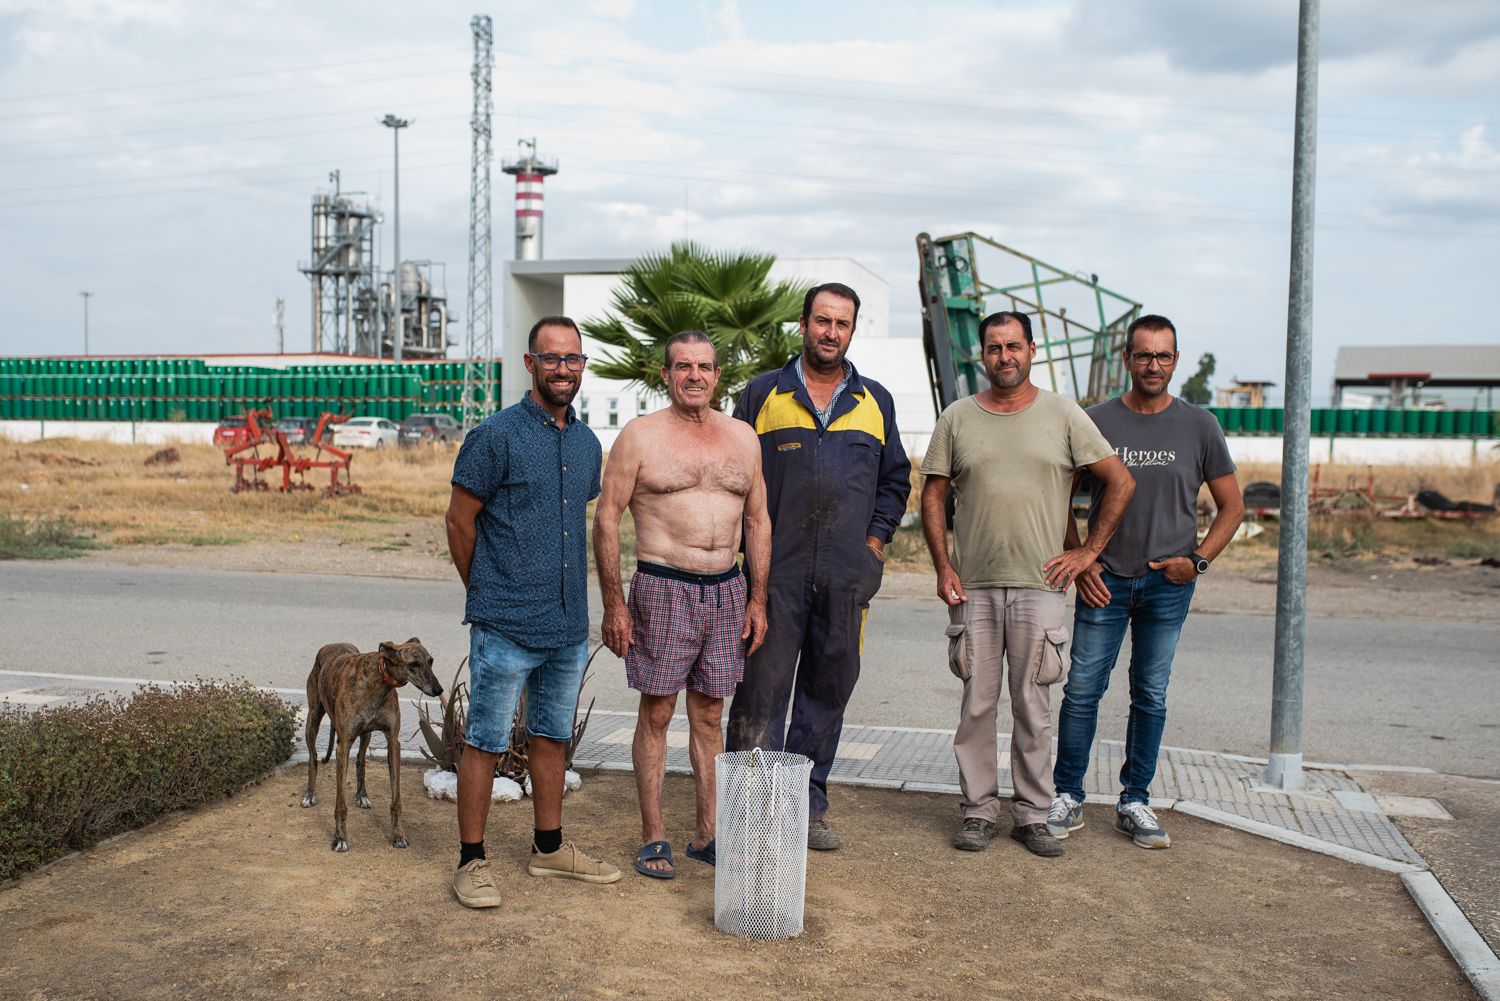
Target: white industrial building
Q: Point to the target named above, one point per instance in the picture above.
(583, 289)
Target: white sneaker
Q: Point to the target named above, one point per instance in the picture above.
(1064, 816)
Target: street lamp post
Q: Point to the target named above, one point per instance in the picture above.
(86, 297)
(398, 323)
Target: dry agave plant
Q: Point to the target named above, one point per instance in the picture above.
(444, 733)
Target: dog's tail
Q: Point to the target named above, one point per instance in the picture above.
(328, 755)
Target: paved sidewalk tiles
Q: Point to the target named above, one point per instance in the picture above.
(1331, 807)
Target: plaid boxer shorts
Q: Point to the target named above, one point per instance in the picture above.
(686, 631)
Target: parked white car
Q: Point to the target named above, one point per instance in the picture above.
(366, 432)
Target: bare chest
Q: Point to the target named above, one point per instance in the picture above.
(710, 463)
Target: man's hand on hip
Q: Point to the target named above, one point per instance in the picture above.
(1063, 570)
(617, 629)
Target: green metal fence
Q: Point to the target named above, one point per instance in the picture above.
(1348, 423)
(188, 389)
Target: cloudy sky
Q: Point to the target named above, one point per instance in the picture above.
(162, 153)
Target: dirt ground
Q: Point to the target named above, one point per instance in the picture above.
(244, 899)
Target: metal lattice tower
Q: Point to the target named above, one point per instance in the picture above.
(479, 372)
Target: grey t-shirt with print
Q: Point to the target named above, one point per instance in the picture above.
(1171, 454)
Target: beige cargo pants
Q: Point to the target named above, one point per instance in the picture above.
(1021, 629)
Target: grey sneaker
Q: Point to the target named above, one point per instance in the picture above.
(1138, 822)
(474, 886)
(1064, 816)
(820, 838)
(1037, 840)
(975, 835)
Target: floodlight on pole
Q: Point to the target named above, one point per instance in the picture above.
(398, 317)
(86, 297)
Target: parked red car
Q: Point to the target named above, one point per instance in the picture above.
(231, 432)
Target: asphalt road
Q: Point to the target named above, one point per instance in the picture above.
(1379, 691)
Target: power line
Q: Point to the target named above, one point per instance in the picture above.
(383, 60)
(980, 199)
(200, 98)
(1117, 156)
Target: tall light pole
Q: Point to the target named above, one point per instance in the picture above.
(1284, 769)
(398, 320)
(86, 297)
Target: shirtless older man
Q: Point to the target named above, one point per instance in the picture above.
(691, 478)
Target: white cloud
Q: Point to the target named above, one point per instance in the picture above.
(1100, 145)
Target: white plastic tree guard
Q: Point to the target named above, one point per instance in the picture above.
(761, 876)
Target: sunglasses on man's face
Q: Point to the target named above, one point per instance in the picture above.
(1145, 358)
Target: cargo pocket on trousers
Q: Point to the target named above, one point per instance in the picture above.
(960, 656)
(1053, 665)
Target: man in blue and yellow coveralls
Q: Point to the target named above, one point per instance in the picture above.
(837, 481)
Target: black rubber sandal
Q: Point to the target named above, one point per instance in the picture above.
(651, 851)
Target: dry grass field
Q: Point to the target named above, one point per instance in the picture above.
(107, 491)
(90, 494)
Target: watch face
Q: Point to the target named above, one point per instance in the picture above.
(1202, 565)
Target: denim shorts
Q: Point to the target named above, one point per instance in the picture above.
(498, 671)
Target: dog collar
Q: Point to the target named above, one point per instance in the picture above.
(385, 673)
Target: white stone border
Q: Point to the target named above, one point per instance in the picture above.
(1469, 949)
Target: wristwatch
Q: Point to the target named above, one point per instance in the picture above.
(1200, 563)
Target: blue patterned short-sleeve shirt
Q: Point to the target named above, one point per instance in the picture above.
(529, 577)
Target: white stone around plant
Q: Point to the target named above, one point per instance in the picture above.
(571, 780)
(440, 784)
(444, 785)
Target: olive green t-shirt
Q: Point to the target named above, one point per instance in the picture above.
(1012, 477)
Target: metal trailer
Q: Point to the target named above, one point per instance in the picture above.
(1081, 358)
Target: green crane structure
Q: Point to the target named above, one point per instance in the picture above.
(1088, 354)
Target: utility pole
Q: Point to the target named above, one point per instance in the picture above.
(86, 297)
(479, 347)
(1284, 768)
(398, 324)
(280, 325)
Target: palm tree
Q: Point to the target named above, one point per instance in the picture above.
(728, 295)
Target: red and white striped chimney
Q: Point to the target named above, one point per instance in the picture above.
(529, 171)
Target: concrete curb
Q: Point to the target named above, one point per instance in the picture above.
(1294, 838)
(1468, 948)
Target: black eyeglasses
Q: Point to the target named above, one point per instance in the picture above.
(1162, 358)
(549, 362)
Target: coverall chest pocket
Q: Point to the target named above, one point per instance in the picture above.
(863, 456)
(1052, 665)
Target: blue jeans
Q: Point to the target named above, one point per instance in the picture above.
(1154, 609)
(498, 671)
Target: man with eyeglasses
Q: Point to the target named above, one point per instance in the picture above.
(1144, 578)
(691, 478)
(516, 529)
(1009, 454)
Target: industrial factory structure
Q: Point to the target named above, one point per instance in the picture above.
(354, 310)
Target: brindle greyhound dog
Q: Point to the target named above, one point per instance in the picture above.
(358, 692)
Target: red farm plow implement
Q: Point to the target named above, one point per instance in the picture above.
(255, 463)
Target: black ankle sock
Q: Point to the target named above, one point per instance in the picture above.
(468, 851)
(546, 842)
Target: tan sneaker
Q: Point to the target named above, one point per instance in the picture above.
(474, 886)
(572, 862)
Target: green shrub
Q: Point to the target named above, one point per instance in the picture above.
(73, 775)
(42, 539)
